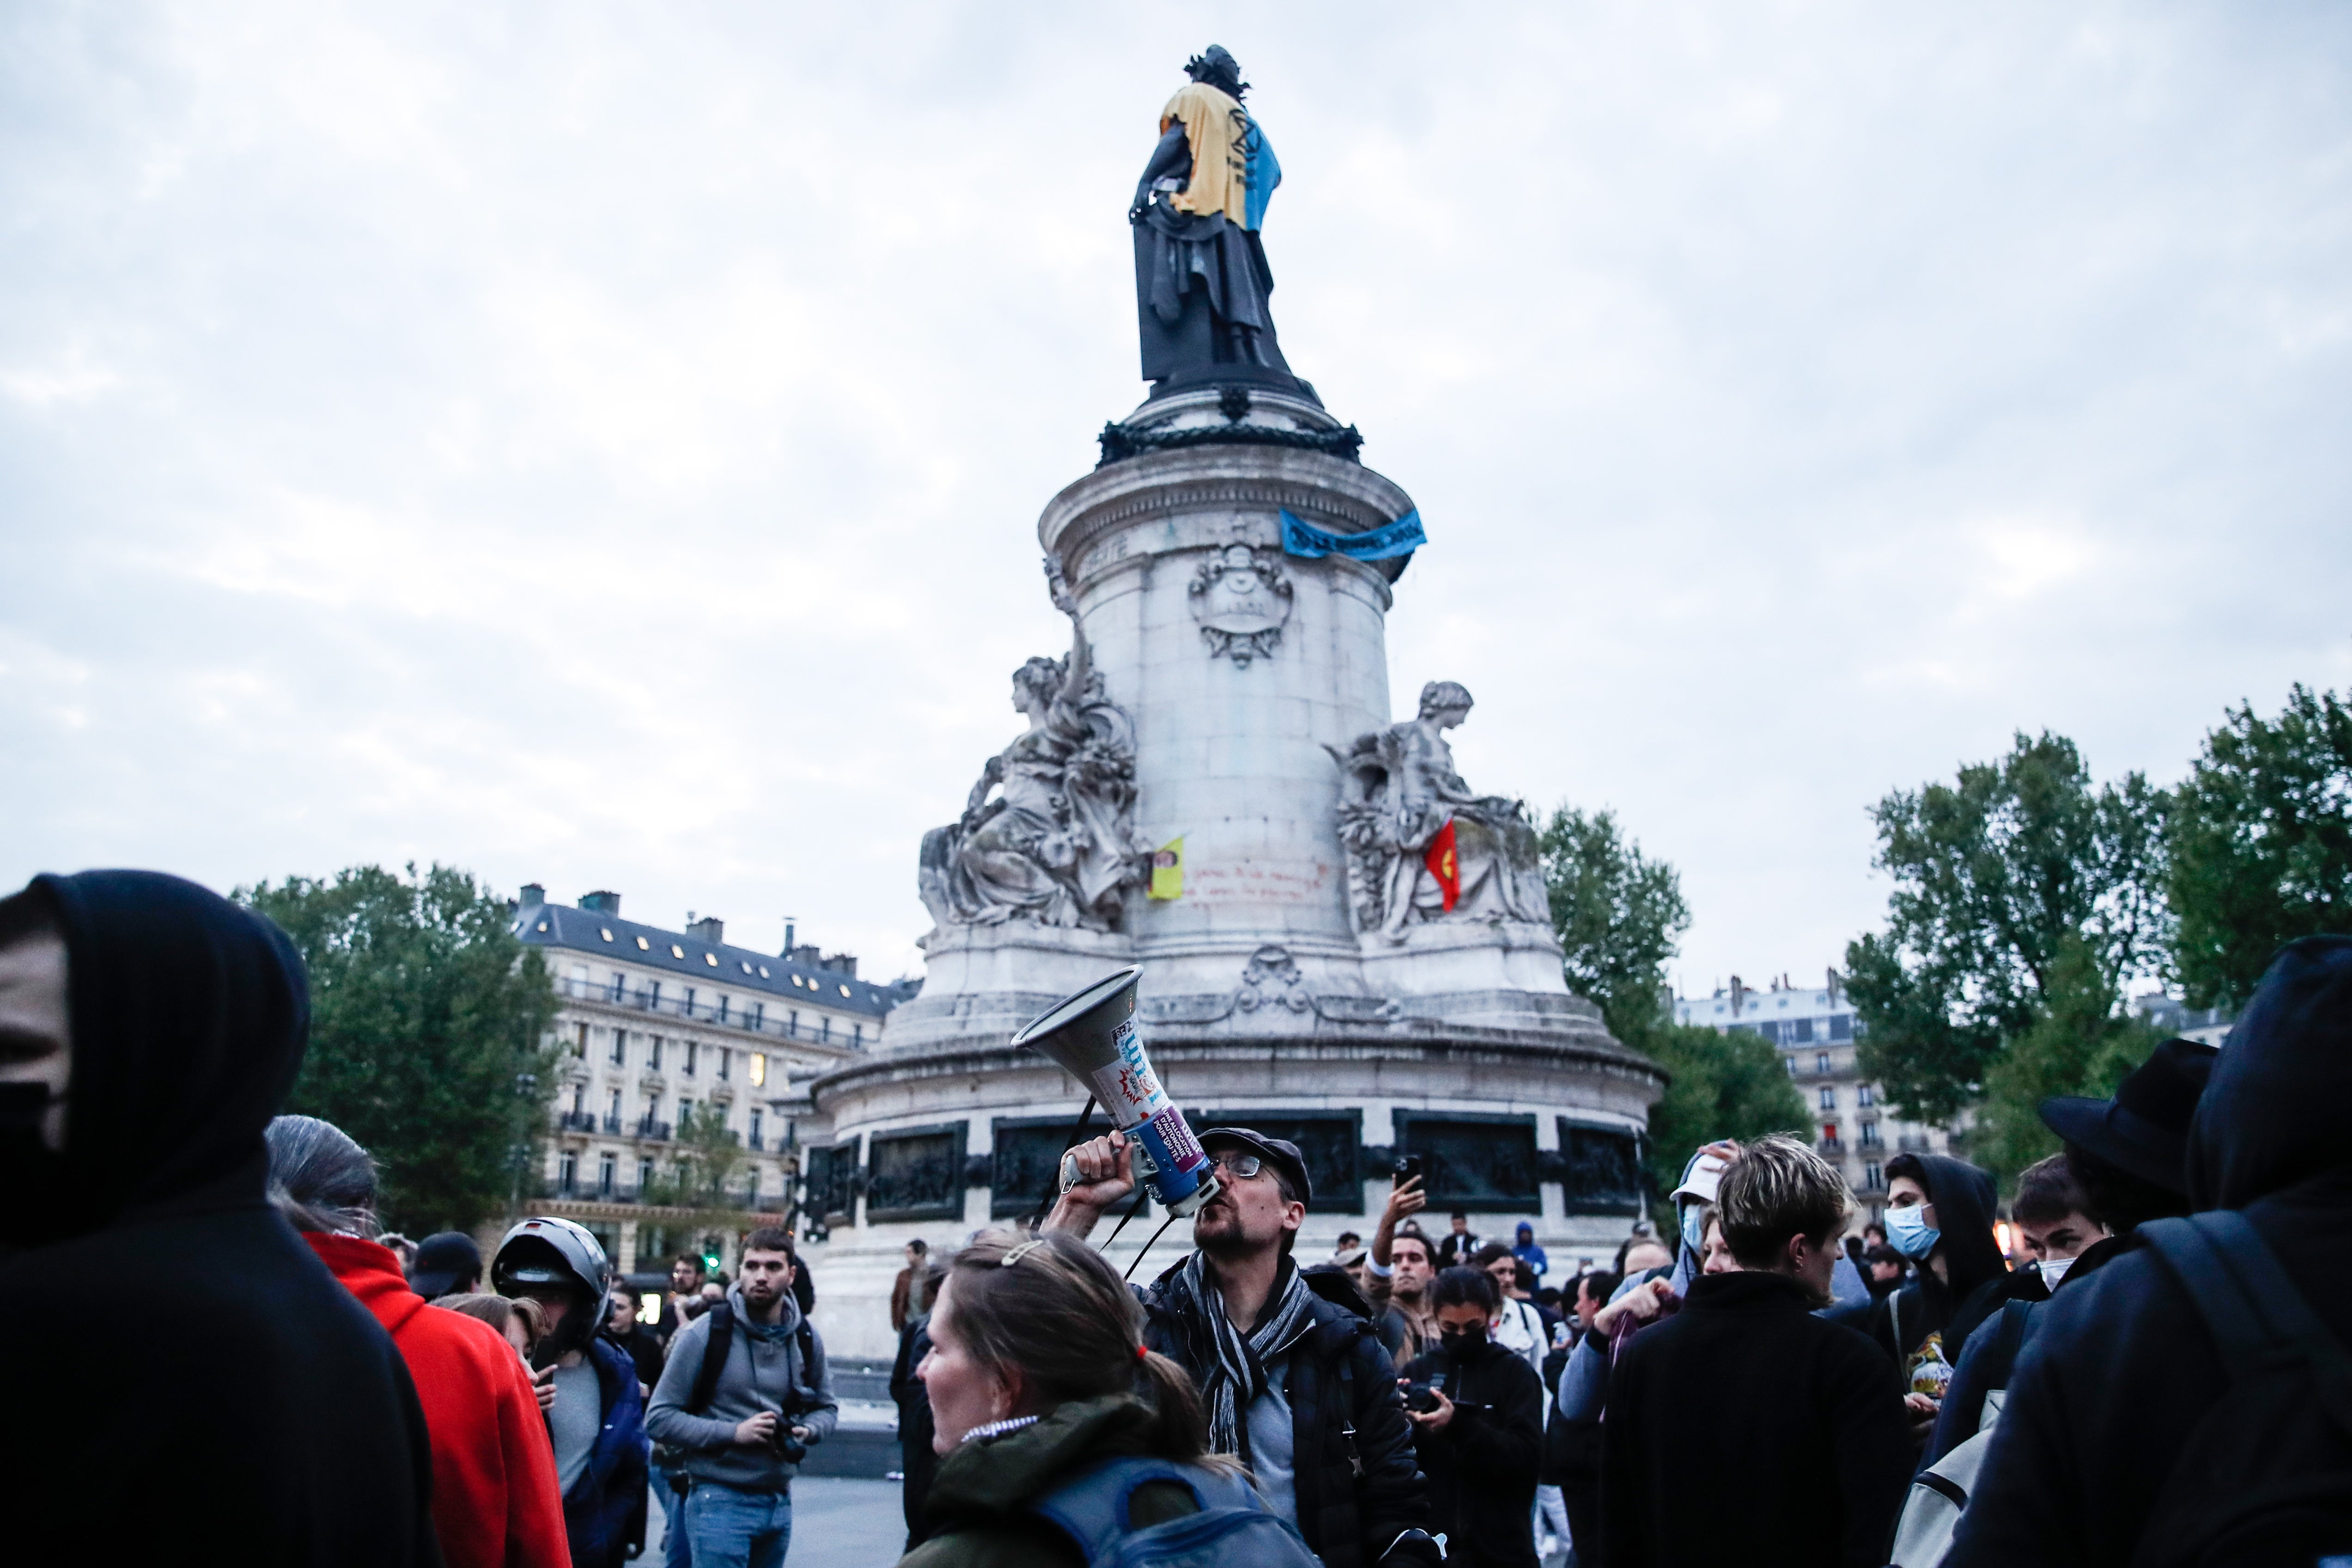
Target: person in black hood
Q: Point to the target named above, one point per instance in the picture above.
(2121, 1369)
(1939, 1214)
(230, 1395)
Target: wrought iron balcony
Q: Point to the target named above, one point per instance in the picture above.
(575, 1121)
(658, 1132)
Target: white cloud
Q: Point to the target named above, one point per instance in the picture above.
(604, 446)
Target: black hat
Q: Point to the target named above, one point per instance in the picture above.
(2145, 1127)
(1278, 1151)
(442, 1261)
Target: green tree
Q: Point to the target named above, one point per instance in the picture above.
(2261, 842)
(426, 1025)
(1993, 873)
(2080, 1044)
(706, 1172)
(1619, 915)
(1725, 1085)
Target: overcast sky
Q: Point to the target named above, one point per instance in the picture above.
(604, 445)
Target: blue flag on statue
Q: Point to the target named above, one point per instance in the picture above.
(1401, 537)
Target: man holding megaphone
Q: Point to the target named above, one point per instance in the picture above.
(1294, 1385)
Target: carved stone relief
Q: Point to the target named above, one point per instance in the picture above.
(1271, 981)
(1241, 596)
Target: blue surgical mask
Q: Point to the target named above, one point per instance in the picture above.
(1694, 1228)
(1908, 1232)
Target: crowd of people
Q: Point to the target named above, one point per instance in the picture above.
(2142, 1360)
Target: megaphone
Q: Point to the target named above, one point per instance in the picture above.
(1093, 1034)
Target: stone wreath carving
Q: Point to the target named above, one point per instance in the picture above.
(1047, 833)
(1271, 981)
(1241, 596)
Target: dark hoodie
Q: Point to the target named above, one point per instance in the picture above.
(193, 1379)
(1977, 1274)
(2121, 1368)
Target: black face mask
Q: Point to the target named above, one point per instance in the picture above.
(1464, 1341)
(31, 1173)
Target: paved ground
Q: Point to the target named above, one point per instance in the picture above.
(836, 1523)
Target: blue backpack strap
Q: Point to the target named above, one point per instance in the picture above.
(1091, 1507)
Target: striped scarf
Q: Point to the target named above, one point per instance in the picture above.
(1233, 1369)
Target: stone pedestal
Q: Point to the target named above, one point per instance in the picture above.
(1243, 670)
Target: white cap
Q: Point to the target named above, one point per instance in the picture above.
(1703, 1178)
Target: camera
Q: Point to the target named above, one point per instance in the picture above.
(1420, 1397)
(1408, 1168)
(786, 1446)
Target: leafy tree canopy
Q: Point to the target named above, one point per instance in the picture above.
(1618, 916)
(2261, 842)
(426, 1018)
(1993, 873)
(706, 1170)
(2079, 1045)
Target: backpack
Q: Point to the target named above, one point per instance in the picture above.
(2266, 1476)
(1939, 1494)
(1233, 1530)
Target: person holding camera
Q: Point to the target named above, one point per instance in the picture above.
(1291, 1373)
(743, 1395)
(1477, 1409)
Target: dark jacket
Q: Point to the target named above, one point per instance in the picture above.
(643, 1351)
(2119, 1371)
(977, 1514)
(1977, 1276)
(1358, 1486)
(238, 1397)
(917, 1463)
(1481, 1465)
(1746, 1429)
(1988, 1361)
(604, 1511)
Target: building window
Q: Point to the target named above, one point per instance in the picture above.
(758, 1071)
(644, 1174)
(607, 1167)
(1872, 1177)
(1861, 1095)
(1792, 1067)
(613, 1112)
(857, 1034)
(653, 997)
(580, 1041)
(1769, 1030)
(653, 1054)
(759, 1015)
(793, 1024)
(726, 1062)
(1804, 1030)
(755, 1127)
(1820, 1061)
(685, 1008)
(567, 1171)
(620, 1048)
(1841, 1027)
(1870, 1138)
(579, 1094)
(1828, 1133)
(1829, 1099)
(687, 1066)
(824, 1030)
(685, 1115)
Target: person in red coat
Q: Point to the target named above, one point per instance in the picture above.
(496, 1504)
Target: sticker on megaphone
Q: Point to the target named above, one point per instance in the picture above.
(1093, 1034)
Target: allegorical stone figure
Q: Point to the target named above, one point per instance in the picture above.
(1397, 791)
(1047, 833)
(1200, 277)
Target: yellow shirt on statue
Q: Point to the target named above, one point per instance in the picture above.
(1214, 124)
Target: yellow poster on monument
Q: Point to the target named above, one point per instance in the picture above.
(1168, 870)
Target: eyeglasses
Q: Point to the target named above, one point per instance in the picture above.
(1241, 1167)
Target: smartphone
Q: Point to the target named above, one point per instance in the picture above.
(1408, 1168)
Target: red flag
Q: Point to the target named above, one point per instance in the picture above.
(1443, 865)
